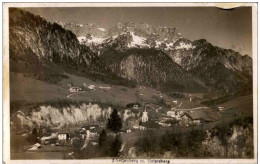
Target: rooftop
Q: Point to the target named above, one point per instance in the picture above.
(203, 115)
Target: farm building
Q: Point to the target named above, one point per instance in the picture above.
(175, 102)
(35, 147)
(142, 127)
(75, 89)
(90, 131)
(133, 105)
(49, 139)
(174, 113)
(101, 87)
(128, 113)
(194, 118)
(92, 87)
(139, 127)
(164, 124)
(63, 136)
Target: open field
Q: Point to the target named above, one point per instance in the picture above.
(42, 92)
(242, 104)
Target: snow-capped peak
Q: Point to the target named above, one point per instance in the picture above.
(137, 41)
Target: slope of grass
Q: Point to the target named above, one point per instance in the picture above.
(25, 90)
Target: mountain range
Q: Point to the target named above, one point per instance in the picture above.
(150, 55)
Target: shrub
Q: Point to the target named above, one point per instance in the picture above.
(114, 122)
(116, 146)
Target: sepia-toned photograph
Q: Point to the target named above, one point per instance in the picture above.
(130, 82)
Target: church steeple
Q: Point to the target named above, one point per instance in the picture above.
(145, 115)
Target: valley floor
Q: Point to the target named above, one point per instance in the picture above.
(25, 98)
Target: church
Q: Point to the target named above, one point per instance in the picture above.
(145, 116)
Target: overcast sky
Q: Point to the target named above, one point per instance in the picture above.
(231, 29)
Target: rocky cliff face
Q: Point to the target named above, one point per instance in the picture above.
(150, 67)
(38, 46)
(49, 116)
(200, 50)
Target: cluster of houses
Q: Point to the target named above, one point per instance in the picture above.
(141, 120)
(189, 118)
(87, 133)
(75, 89)
(134, 118)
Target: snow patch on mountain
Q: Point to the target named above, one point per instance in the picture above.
(169, 46)
(82, 39)
(184, 46)
(94, 40)
(158, 43)
(137, 41)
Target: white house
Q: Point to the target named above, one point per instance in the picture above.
(101, 87)
(220, 108)
(91, 134)
(175, 102)
(174, 113)
(92, 87)
(136, 106)
(63, 136)
(49, 139)
(35, 146)
(128, 113)
(142, 127)
(196, 122)
(53, 135)
(163, 124)
(90, 131)
(135, 126)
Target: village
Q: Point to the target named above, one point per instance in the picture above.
(135, 117)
